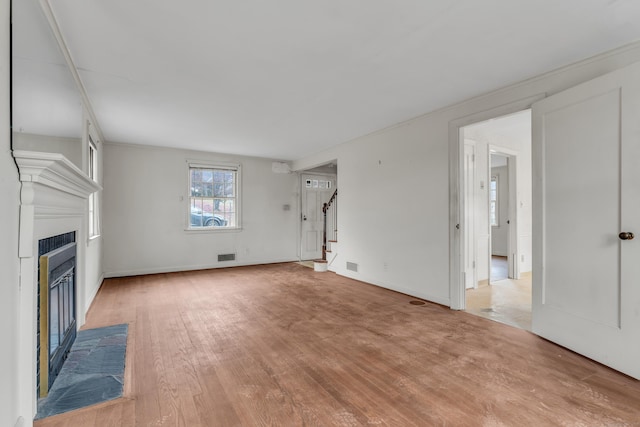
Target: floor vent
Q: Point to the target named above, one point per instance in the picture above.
(352, 266)
(226, 257)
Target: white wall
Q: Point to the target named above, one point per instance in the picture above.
(9, 264)
(93, 273)
(407, 249)
(499, 233)
(71, 148)
(145, 206)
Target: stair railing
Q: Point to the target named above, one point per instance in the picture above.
(332, 206)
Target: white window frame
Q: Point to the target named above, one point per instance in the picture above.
(495, 221)
(222, 166)
(93, 172)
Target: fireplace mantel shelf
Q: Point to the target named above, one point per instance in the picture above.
(54, 170)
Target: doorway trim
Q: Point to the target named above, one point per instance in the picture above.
(456, 201)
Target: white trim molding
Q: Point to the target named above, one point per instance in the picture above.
(56, 171)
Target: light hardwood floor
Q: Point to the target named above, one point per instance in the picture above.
(282, 345)
(507, 301)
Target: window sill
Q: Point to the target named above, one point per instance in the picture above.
(212, 230)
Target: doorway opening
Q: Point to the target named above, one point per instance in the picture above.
(501, 256)
(317, 185)
(496, 231)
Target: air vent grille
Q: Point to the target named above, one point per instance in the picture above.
(352, 266)
(226, 257)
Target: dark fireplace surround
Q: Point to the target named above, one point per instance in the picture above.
(56, 307)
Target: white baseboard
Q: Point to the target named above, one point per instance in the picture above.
(96, 289)
(175, 269)
(438, 300)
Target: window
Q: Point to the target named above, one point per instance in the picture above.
(94, 229)
(493, 202)
(213, 197)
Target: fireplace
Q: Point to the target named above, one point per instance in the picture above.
(54, 196)
(56, 306)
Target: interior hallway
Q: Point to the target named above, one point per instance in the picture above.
(283, 345)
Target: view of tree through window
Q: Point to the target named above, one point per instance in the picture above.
(213, 197)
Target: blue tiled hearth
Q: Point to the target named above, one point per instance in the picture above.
(92, 373)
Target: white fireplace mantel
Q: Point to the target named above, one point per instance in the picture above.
(54, 198)
(56, 171)
(52, 188)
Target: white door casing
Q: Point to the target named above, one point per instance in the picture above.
(315, 192)
(468, 227)
(586, 190)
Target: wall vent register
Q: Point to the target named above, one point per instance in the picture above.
(226, 257)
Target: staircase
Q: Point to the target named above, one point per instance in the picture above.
(330, 232)
(331, 254)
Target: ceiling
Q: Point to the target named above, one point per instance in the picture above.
(288, 78)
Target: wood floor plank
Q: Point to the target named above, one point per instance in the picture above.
(282, 345)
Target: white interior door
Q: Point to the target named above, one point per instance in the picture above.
(316, 190)
(586, 148)
(468, 229)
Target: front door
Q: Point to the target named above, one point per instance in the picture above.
(316, 191)
(586, 276)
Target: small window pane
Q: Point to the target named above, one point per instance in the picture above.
(228, 189)
(196, 189)
(219, 189)
(197, 204)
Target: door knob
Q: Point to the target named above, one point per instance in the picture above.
(626, 235)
